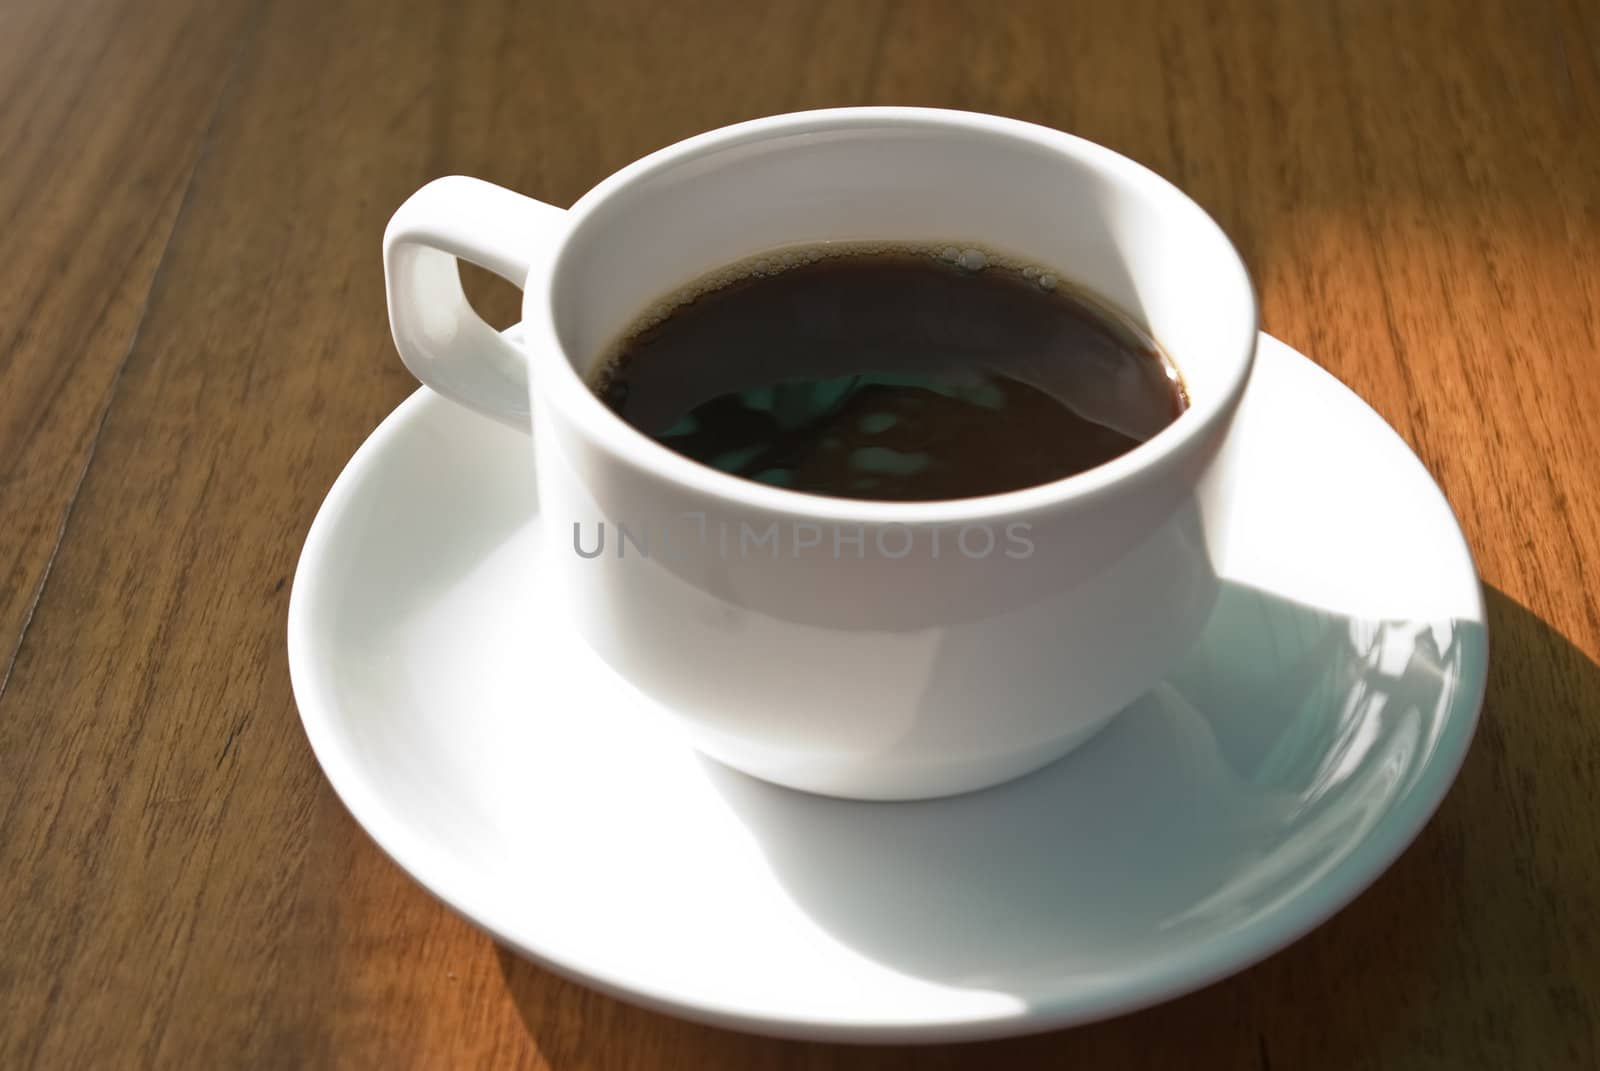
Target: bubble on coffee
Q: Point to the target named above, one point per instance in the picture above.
(890, 370)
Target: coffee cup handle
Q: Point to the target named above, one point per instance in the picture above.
(441, 338)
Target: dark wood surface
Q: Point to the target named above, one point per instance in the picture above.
(193, 341)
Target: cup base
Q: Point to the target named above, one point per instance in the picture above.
(901, 780)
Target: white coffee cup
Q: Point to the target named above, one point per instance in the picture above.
(879, 650)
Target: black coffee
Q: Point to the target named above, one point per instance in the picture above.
(907, 374)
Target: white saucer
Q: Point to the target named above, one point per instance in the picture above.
(1301, 748)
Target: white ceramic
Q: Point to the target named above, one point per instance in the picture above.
(866, 649)
(1285, 764)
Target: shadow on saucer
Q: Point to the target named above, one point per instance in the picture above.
(1261, 765)
(1438, 942)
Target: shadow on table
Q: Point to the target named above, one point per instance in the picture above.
(1381, 976)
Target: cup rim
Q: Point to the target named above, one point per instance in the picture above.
(568, 392)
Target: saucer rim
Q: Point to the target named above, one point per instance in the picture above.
(1167, 976)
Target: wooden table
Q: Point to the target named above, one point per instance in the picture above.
(193, 341)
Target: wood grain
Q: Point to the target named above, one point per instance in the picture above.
(89, 193)
(192, 342)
